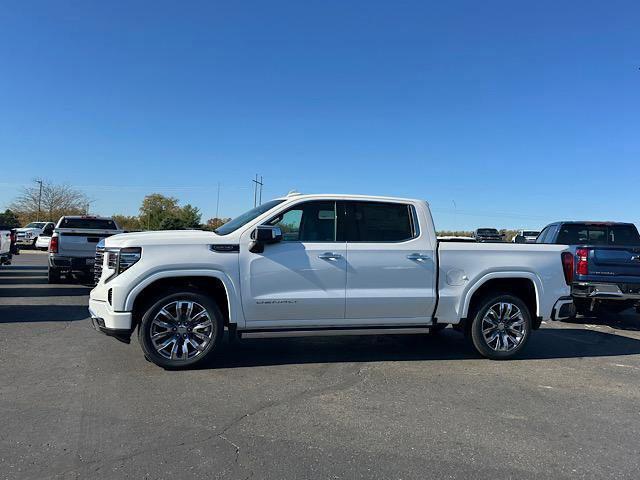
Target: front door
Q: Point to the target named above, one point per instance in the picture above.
(301, 280)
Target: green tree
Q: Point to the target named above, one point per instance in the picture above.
(214, 223)
(128, 222)
(171, 223)
(9, 219)
(156, 208)
(190, 216)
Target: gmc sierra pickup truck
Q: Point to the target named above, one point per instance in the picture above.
(72, 247)
(606, 273)
(317, 263)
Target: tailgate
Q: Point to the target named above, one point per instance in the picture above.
(619, 261)
(76, 242)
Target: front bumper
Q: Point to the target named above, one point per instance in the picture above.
(563, 309)
(71, 263)
(606, 291)
(103, 315)
(25, 241)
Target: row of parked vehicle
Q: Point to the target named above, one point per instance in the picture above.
(607, 255)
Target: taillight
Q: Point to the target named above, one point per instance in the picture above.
(567, 267)
(12, 236)
(582, 254)
(53, 244)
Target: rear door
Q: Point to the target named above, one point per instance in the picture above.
(390, 265)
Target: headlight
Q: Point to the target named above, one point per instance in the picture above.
(120, 259)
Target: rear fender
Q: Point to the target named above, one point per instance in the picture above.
(465, 300)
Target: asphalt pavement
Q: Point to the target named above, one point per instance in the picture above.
(75, 404)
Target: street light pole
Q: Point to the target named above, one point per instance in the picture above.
(39, 199)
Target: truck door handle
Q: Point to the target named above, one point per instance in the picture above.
(329, 256)
(418, 257)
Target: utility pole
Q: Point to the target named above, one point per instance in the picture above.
(39, 199)
(218, 201)
(255, 190)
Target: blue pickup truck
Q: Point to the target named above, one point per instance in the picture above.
(606, 263)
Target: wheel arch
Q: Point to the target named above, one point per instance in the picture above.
(217, 283)
(525, 285)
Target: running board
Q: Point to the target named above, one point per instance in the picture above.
(332, 331)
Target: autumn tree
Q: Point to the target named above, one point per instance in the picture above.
(49, 202)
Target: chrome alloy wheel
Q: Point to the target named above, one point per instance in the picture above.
(181, 330)
(503, 327)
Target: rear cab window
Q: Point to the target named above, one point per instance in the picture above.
(591, 234)
(88, 223)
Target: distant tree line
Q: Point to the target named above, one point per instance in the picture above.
(508, 234)
(47, 201)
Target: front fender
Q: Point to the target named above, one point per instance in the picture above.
(235, 315)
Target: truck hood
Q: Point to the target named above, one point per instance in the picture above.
(25, 229)
(165, 237)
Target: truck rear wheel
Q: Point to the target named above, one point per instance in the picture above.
(53, 275)
(501, 326)
(180, 329)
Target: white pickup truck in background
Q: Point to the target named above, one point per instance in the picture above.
(5, 246)
(72, 247)
(323, 262)
(29, 234)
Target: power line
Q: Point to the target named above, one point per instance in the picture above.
(255, 190)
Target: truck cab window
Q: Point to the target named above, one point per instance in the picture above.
(308, 222)
(378, 222)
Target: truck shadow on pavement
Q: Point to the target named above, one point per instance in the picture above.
(44, 292)
(627, 321)
(42, 313)
(545, 344)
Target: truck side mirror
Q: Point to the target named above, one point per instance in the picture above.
(264, 235)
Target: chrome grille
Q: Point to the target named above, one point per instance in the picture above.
(97, 267)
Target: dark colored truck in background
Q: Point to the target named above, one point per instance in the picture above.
(488, 235)
(606, 269)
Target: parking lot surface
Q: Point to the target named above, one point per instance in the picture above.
(77, 404)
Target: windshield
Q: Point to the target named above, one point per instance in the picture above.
(530, 233)
(35, 225)
(487, 231)
(246, 217)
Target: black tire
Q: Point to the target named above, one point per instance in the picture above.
(53, 275)
(482, 345)
(154, 308)
(583, 306)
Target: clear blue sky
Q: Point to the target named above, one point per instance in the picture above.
(519, 112)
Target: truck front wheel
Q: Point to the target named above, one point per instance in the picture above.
(180, 329)
(501, 326)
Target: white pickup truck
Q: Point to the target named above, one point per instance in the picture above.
(5, 246)
(323, 262)
(72, 247)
